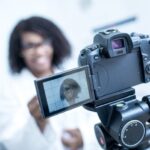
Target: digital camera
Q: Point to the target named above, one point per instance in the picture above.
(108, 69)
(114, 62)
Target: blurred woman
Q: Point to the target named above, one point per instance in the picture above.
(37, 48)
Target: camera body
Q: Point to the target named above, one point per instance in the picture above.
(117, 61)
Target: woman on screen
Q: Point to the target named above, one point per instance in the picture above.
(69, 91)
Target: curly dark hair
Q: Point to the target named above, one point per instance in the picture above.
(46, 29)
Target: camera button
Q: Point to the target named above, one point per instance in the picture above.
(147, 68)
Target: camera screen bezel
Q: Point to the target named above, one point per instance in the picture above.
(39, 84)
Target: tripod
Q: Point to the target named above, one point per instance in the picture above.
(124, 121)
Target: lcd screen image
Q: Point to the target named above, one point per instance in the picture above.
(66, 91)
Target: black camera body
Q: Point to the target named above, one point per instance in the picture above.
(108, 69)
(117, 62)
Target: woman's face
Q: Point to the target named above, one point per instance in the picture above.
(37, 52)
(69, 93)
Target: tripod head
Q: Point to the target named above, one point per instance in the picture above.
(124, 123)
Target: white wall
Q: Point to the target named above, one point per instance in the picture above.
(76, 18)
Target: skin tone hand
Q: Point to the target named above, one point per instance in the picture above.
(34, 109)
(74, 141)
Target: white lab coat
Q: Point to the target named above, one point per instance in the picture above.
(18, 129)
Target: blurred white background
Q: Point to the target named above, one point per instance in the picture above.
(77, 19)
